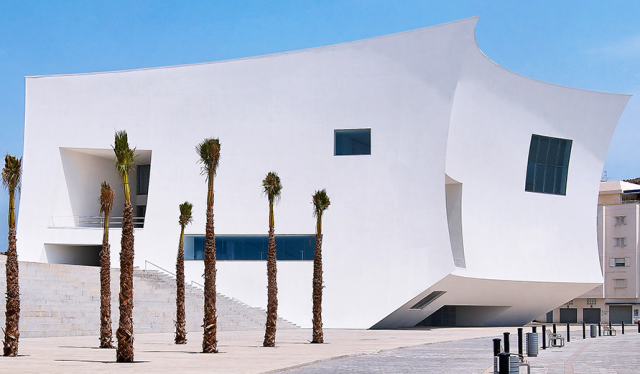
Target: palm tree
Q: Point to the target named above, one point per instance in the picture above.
(272, 188)
(125, 161)
(11, 175)
(106, 203)
(320, 204)
(185, 219)
(209, 152)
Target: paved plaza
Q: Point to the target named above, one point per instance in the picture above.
(443, 350)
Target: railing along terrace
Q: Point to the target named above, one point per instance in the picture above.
(91, 222)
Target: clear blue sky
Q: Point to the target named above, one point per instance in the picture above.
(593, 45)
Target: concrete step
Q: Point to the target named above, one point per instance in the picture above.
(64, 300)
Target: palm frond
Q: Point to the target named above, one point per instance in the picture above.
(106, 198)
(125, 156)
(12, 173)
(185, 213)
(209, 152)
(321, 202)
(271, 186)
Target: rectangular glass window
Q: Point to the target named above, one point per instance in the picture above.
(548, 165)
(254, 247)
(621, 220)
(620, 283)
(143, 179)
(352, 142)
(620, 242)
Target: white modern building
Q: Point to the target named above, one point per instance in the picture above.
(460, 190)
(618, 298)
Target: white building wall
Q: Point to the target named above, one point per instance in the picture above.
(435, 105)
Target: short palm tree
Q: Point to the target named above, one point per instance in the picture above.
(11, 176)
(320, 204)
(181, 324)
(209, 152)
(125, 162)
(106, 204)
(272, 188)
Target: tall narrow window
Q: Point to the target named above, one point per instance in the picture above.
(143, 179)
(548, 165)
(352, 142)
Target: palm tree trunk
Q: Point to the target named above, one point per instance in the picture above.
(12, 315)
(125, 330)
(272, 287)
(106, 338)
(209, 340)
(317, 286)
(181, 331)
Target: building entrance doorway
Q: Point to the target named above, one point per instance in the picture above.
(619, 313)
(568, 315)
(591, 315)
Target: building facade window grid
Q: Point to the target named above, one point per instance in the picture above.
(548, 165)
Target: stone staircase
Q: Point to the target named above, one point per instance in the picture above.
(64, 300)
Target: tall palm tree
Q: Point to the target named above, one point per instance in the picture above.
(125, 161)
(11, 175)
(209, 152)
(181, 330)
(106, 204)
(320, 204)
(272, 188)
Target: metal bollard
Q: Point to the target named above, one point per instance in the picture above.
(496, 346)
(544, 337)
(554, 329)
(599, 329)
(520, 350)
(609, 328)
(568, 332)
(622, 327)
(506, 342)
(584, 331)
(496, 351)
(503, 361)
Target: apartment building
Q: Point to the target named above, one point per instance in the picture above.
(618, 299)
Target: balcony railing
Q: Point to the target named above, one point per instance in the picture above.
(91, 222)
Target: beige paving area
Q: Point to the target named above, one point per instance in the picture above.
(240, 352)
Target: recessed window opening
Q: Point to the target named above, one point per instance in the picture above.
(621, 220)
(352, 142)
(143, 172)
(548, 165)
(619, 262)
(620, 242)
(620, 283)
(252, 247)
(428, 299)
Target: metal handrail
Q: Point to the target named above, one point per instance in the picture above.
(161, 268)
(91, 221)
(196, 283)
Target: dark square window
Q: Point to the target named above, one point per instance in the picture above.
(352, 142)
(548, 165)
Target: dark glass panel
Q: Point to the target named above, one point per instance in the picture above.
(556, 188)
(543, 149)
(549, 177)
(352, 142)
(533, 148)
(563, 181)
(539, 180)
(143, 179)
(552, 158)
(567, 153)
(256, 247)
(531, 169)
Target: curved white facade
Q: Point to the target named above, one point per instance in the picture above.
(450, 136)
